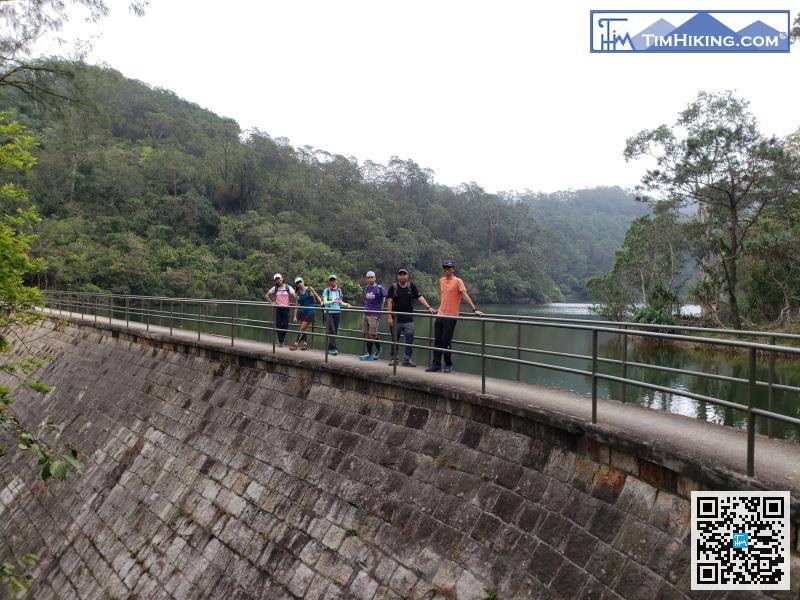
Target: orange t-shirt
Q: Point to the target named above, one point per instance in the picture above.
(450, 291)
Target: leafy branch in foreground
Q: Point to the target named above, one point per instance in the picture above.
(13, 576)
(17, 303)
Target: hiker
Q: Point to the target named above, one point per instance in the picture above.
(400, 304)
(451, 291)
(284, 294)
(307, 298)
(333, 301)
(374, 294)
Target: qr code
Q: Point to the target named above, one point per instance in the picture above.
(740, 540)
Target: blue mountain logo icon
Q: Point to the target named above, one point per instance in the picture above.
(704, 24)
(660, 28)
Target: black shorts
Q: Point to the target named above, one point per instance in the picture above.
(307, 319)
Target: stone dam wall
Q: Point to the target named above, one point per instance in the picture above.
(226, 475)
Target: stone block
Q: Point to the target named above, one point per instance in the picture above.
(637, 540)
(607, 522)
(607, 565)
(637, 498)
(637, 583)
(468, 586)
(300, 580)
(608, 484)
(568, 581)
(625, 462)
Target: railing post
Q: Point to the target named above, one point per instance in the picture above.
(325, 318)
(127, 314)
(594, 375)
(274, 327)
(149, 305)
(395, 349)
(519, 351)
(110, 308)
(751, 417)
(233, 322)
(431, 323)
(200, 313)
(483, 356)
(171, 316)
(771, 392)
(96, 308)
(624, 364)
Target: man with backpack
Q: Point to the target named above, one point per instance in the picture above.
(374, 294)
(400, 304)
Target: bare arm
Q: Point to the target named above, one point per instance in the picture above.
(425, 304)
(471, 304)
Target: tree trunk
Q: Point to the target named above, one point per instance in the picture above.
(732, 271)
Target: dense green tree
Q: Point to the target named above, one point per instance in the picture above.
(716, 158)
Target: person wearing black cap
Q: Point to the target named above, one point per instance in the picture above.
(401, 301)
(451, 290)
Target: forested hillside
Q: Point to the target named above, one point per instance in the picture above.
(143, 192)
(590, 225)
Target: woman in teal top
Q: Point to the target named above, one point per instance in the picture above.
(307, 298)
(333, 301)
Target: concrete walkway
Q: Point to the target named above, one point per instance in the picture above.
(712, 446)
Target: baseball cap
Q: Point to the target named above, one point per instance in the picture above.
(277, 276)
(370, 274)
(448, 263)
(402, 270)
(298, 280)
(331, 276)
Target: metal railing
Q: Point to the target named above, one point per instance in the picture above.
(153, 310)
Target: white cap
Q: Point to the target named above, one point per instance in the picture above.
(331, 276)
(298, 279)
(277, 276)
(370, 274)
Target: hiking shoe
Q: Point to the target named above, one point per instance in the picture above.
(448, 369)
(305, 346)
(293, 347)
(333, 351)
(433, 369)
(367, 357)
(376, 355)
(409, 363)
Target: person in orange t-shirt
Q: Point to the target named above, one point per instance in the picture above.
(452, 290)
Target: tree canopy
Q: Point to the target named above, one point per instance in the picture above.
(143, 192)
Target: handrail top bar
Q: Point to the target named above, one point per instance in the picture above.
(521, 318)
(513, 321)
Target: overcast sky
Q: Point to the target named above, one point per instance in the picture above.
(502, 93)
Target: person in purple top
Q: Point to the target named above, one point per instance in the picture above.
(374, 294)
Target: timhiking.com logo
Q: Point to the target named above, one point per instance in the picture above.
(689, 31)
